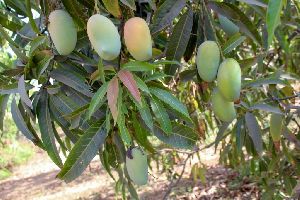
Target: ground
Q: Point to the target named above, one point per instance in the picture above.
(36, 180)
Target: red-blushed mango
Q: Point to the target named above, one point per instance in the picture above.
(104, 37)
(229, 79)
(276, 122)
(62, 31)
(137, 166)
(208, 60)
(137, 39)
(228, 26)
(222, 108)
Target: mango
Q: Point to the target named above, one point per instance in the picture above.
(229, 79)
(208, 60)
(104, 37)
(222, 108)
(228, 26)
(136, 165)
(62, 31)
(137, 39)
(276, 122)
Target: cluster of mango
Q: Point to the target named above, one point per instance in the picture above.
(228, 75)
(103, 35)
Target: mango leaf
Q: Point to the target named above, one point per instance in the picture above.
(233, 42)
(181, 136)
(254, 2)
(71, 79)
(266, 107)
(43, 64)
(264, 81)
(36, 43)
(76, 12)
(139, 66)
(166, 13)
(76, 113)
(220, 134)
(187, 75)
(3, 105)
(179, 40)
(46, 128)
(169, 99)
(124, 133)
(10, 21)
(112, 97)
(23, 93)
(141, 84)
(30, 17)
(234, 14)
(273, 18)
(145, 114)
(161, 115)
(129, 3)
(17, 5)
(113, 7)
(127, 78)
(97, 99)
(254, 132)
(84, 150)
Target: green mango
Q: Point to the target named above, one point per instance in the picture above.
(137, 166)
(104, 37)
(208, 60)
(62, 31)
(276, 122)
(229, 79)
(228, 26)
(222, 108)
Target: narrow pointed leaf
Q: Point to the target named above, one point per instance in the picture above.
(254, 131)
(273, 17)
(161, 115)
(45, 124)
(233, 42)
(127, 78)
(84, 150)
(97, 99)
(113, 7)
(129, 3)
(112, 97)
(3, 105)
(23, 93)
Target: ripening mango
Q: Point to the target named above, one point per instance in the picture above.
(276, 122)
(104, 37)
(137, 167)
(62, 31)
(208, 60)
(222, 108)
(229, 79)
(137, 39)
(228, 26)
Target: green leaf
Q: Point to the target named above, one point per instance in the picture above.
(181, 136)
(36, 43)
(30, 17)
(161, 115)
(129, 3)
(76, 12)
(11, 88)
(46, 128)
(124, 133)
(76, 113)
(72, 79)
(23, 93)
(187, 75)
(3, 105)
(233, 42)
(139, 66)
(141, 84)
(97, 99)
(113, 7)
(264, 81)
(266, 107)
(273, 17)
(166, 13)
(146, 114)
(254, 2)
(44, 63)
(10, 21)
(169, 99)
(84, 150)
(220, 134)
(179, 40)
(254, 131)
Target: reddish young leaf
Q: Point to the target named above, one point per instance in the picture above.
(127, 78)
(112, 97)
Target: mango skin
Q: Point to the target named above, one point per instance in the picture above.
(228, 26)
(137, 39)
(276, 122)
(104, 37)
(222, 108)
(229, 79)
(137, 167)
(208, 60)
(63, 31)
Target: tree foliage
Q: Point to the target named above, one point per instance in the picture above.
(87, 106)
